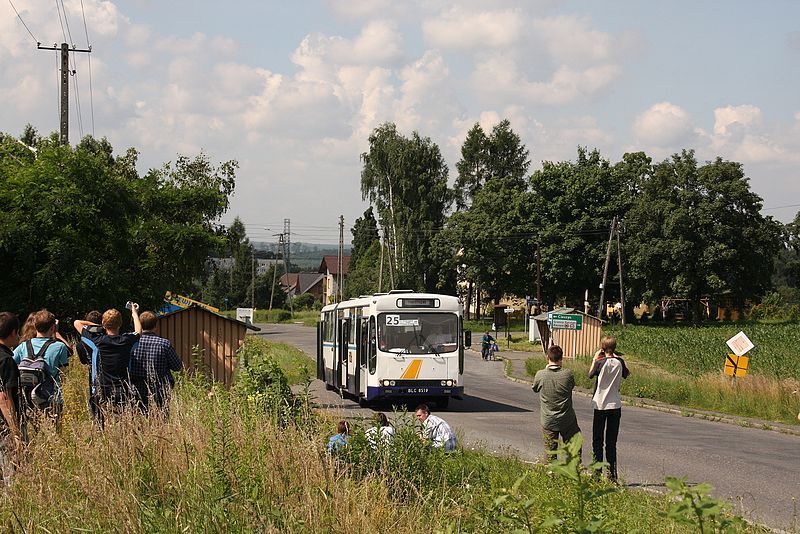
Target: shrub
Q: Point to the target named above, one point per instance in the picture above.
(303, 302)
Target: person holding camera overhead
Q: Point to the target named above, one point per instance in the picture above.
(114, 355)
(609, 369)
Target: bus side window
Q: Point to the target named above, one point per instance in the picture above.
(372, 355)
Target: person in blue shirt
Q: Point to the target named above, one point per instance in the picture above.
(56, 356)
(339, 441)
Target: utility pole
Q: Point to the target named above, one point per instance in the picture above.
(621, 285)
(64, 86)
(601, 309)
(538, 274)
(286, 267)
(287, 232)
(253, 284)
(340, 267)
(613, 233)
(274, 275)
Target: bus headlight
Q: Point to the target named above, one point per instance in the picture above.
(384, 382)
(445, 382)
(449, 382)
(391, 382)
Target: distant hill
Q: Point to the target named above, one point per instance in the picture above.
(305, 256)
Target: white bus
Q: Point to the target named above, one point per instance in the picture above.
(393, 345)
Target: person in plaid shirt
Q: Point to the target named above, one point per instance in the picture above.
(152, 363)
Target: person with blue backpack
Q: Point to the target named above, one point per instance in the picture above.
(40, 361)
(113, 357)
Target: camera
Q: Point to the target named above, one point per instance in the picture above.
(129, 305)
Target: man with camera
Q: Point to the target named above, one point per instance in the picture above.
(114, 355)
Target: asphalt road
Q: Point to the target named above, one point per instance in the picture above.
(757, 470)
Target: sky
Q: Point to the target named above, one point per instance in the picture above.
(292, 90)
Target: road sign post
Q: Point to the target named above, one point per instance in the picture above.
(736, 364)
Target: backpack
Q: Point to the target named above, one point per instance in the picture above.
(37, 385)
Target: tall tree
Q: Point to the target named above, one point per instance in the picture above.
(490, 238)
(365, 233)
(406, 180)
(83, 230)
(574, 203)
(473, 167)
(698, 230)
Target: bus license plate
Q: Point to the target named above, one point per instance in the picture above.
(417, 390)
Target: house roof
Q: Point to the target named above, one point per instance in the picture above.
(301, 282)
(330, 264)
(204, 310)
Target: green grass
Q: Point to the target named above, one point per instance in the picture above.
(292, 361)
(306, 317)
(752, 396)
(223, 462)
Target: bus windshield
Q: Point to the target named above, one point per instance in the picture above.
(418, 333)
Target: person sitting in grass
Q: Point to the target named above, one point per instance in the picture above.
(338, 441)
(382, 432)
(435, 429)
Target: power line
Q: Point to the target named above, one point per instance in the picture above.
(61, 21)
(781, 207)
(23, 22)
(89, 57)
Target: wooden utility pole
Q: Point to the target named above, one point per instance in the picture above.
(602, 308)
(621, 285)
(538, 274)
(253, 283)
(64, 85)
(613, 233)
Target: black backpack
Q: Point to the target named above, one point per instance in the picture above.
(37, 385)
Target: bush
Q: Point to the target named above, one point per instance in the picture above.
(303, 302)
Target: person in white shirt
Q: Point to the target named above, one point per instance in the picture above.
(436, 429)
(609, 369)
(381, 433)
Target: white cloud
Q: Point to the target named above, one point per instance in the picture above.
(664, 125)
(729, 118)
(461, 29)
(500, 76)
(570, 40)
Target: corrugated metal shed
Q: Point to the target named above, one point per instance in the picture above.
(218, 337)
(584, 342)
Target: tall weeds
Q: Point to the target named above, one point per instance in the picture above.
(232, 461)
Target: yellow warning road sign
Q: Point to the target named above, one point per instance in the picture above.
(736, 365)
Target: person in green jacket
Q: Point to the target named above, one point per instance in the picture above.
(554, 385)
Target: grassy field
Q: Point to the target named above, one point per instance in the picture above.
(306, 317)
(226, 461)
(682, 365)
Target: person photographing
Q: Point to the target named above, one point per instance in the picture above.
(114, 355)
(609, 369)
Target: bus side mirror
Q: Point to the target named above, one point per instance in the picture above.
(467, 338)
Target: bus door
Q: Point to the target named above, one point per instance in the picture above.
(362, 347)
(340, 361)
(320, 352)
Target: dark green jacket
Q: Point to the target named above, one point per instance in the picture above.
(554, 385)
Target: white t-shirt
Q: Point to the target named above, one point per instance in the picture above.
(609, 372)
(386, 435)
